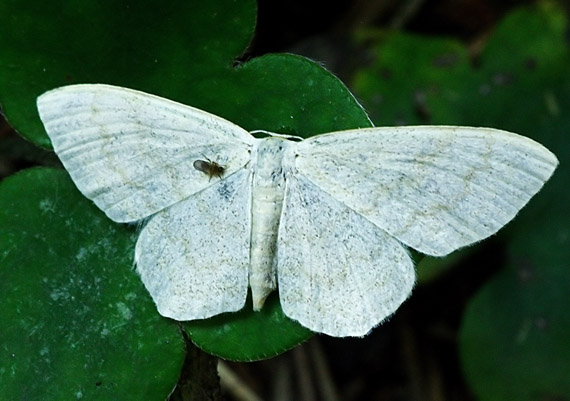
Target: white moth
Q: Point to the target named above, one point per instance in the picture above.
(327, 219)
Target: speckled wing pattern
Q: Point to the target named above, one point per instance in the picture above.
(355, 198)
(434, 188)
(338, 273)
(194, 256)
(132, 153)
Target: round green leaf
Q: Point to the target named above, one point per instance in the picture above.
(75, 322)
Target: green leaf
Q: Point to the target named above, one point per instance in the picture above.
(236, 336)
(76, 322)
(186, 51)
(405, 72)
(167, 48)
(514, 340)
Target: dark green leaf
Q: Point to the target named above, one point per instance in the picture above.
(76, 322)
(515, 342)
(248, 335)
(168, 48)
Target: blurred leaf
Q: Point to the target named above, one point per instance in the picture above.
(404, 71)
(515, 342)
(184, 51)
(515, 338)
(72, 324)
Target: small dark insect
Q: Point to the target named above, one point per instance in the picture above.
(210, 168)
